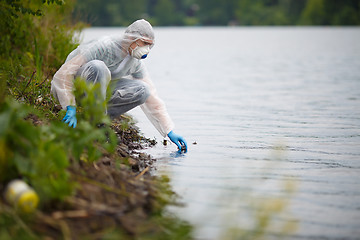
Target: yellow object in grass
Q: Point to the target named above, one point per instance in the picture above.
(21, 196)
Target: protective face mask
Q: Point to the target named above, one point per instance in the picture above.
(140, 52)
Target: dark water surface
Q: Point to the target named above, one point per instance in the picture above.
(243, 93)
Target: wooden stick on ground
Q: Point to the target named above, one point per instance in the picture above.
(142, 173)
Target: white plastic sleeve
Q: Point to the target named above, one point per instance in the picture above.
(155, 110)
(62, 83)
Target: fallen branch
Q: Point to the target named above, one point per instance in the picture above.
(142, 173)
(70, 214)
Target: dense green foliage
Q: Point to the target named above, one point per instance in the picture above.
(41, 154)
(213, 12)
(36, 37)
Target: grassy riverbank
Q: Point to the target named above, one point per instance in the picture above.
(92, 181)
(112, 196)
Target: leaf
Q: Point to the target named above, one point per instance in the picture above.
(57, 155)
(23, 165)
(4, 122)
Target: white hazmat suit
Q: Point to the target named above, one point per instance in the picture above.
(108, 60)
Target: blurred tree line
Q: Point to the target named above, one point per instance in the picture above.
(214, 12)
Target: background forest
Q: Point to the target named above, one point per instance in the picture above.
(214, 12)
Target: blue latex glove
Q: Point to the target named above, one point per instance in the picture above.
(70, 116)
(178, 140)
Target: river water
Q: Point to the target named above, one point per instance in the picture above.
(275, 115)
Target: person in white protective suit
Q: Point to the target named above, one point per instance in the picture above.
(116, 61)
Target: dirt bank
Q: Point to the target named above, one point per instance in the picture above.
(116, 197)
